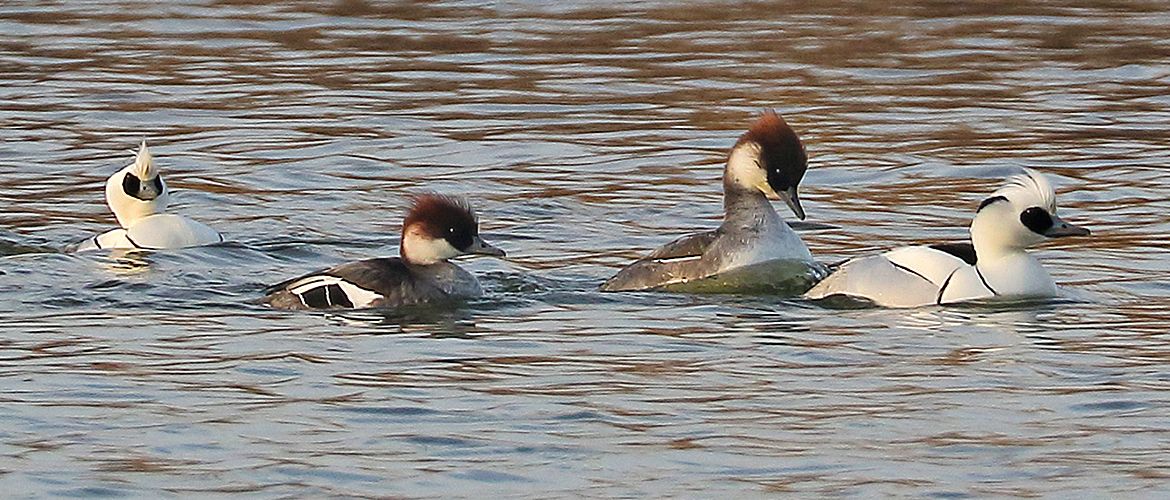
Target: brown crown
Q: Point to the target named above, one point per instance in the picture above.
(781, 153)
(436, 214)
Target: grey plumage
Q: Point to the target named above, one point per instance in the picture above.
(397, 282)
(750, 232)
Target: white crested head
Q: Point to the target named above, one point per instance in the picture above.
(144, 167)
(1018, 215)
(438, 228)
(137, 190)
(768, 158)
(1029, 188)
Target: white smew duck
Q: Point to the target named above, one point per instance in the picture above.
(138, 196)
(995, 264)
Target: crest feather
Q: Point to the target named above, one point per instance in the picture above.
(144, 167)
(768, 129)
(1029, 187)
(435, 212)
(780, 152)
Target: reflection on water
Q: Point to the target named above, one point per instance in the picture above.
(585, 134)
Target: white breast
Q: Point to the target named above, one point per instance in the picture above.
(1016, 275)
(771, 240)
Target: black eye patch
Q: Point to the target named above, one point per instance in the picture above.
(133, 187)
(1036, 219)
(131, 184)
(459, 238)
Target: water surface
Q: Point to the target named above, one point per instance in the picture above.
(586, 134)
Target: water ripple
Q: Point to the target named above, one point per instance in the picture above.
(585, 134)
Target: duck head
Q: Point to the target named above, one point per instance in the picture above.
(1019, 215)
(438, 228)
(768, 158)
(137, 190)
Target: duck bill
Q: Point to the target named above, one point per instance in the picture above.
(149, 190)
(789, 197)
(1061, 229)
(793, 201)
(480, 247)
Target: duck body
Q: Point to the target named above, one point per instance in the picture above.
(768, 161)
(375, 283)
(436, 229)
(994, 265)
(752, 234)
(905, 277)
(155, 232)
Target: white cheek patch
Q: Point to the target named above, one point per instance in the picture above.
(422, 250)
(322, 292)
(743, 169)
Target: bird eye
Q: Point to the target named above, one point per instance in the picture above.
(1036, 219)
(451, 230)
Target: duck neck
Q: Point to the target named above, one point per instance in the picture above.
(417, 253)
(130, 211)
(991, 240)
(741, 203)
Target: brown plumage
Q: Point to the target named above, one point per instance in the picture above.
(442, 217)
(781, 151)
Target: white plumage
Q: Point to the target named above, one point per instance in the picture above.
(138, 196)
(357, 296)
(995, 264)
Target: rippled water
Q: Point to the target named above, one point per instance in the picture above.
(586, 134)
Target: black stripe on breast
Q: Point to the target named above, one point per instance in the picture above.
(984, 280)
(942, 289)
(325, 297)
(132, 242)
(911, 271)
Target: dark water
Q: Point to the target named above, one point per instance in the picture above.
(586, 134)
